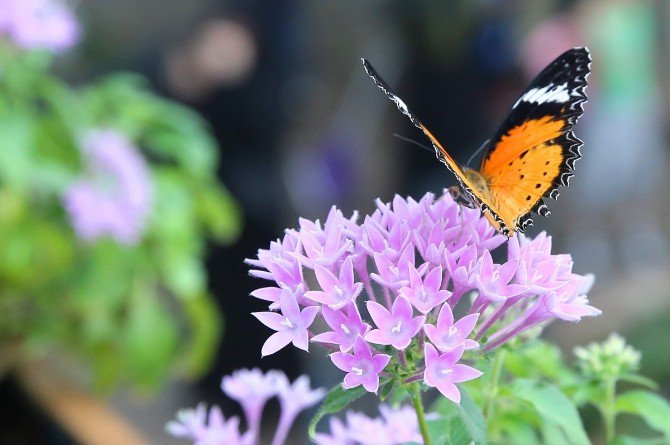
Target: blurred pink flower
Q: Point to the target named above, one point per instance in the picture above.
(114, 196)
(39, 24)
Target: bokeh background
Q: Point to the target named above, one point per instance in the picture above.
(300, 128)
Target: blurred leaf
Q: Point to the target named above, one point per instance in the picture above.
(639, 380)
(336, 400)
(206, 326)
(552, 406)
(220, 213)
(16, 140)
(468, 412)
(654, 409)
(150, 338)
(628, 440)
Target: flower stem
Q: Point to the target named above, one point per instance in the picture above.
(415, 390)
(492, 393)
(609, 410)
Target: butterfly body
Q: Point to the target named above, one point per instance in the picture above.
(531, 154)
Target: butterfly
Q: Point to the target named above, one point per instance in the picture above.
(533, 152)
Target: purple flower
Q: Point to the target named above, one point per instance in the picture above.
(252, 389)
(39, 24)
(395, 275)
(401, 423)
(396, 328)
(115, 196)
(294, 398)
(337, 292)
(362, 367)
(443, 371)
(291, 325)
(447, 335)
(394, 427)
(346, 329)
(208, 430)
(425, 294)
(493, 280)
(327, 252)
(462, 266)
(339, 435)
(366, 430)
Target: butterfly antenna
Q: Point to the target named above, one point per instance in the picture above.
(477, 152)
(412, 141)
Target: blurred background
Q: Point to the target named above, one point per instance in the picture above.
(298, 127)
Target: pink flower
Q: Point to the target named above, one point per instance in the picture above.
(425, 294)
(336, 292)
(395, 328)
(346, 329)
(291, 325)
(443, 371)
(447, 335)
(362, 367)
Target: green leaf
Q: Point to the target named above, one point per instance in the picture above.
(385, 389)
(150, 339)
(639, 380)
(553, 406)
(654, 409)
(206, 326)
(468, 413)
(337, 399)
(628, 440)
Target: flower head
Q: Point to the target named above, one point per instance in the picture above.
(114, 197)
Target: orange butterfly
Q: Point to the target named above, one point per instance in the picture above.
(531, 154)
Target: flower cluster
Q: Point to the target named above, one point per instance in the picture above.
(39, 24)
(396, 426)
(416, 261)
(609, 359)
(251, 389)
(115, 196)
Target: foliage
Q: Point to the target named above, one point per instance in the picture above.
(130, 311)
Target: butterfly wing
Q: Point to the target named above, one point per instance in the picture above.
(534, 151)
(465, 182)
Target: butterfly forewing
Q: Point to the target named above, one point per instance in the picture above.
(534, 151)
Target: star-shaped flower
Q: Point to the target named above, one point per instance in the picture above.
(362, 367)
(337, 292)
(396, 328)
(493, 279)
(346, 328)
(447, 335)
(425, 294)
(443, 371)
(291, 324)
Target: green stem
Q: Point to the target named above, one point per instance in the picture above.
(415, 390)
(496, 372)
(609, 409)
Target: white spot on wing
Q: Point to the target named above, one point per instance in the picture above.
(401, 105)
(549, 93)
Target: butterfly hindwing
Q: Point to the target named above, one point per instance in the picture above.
(534, 151)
